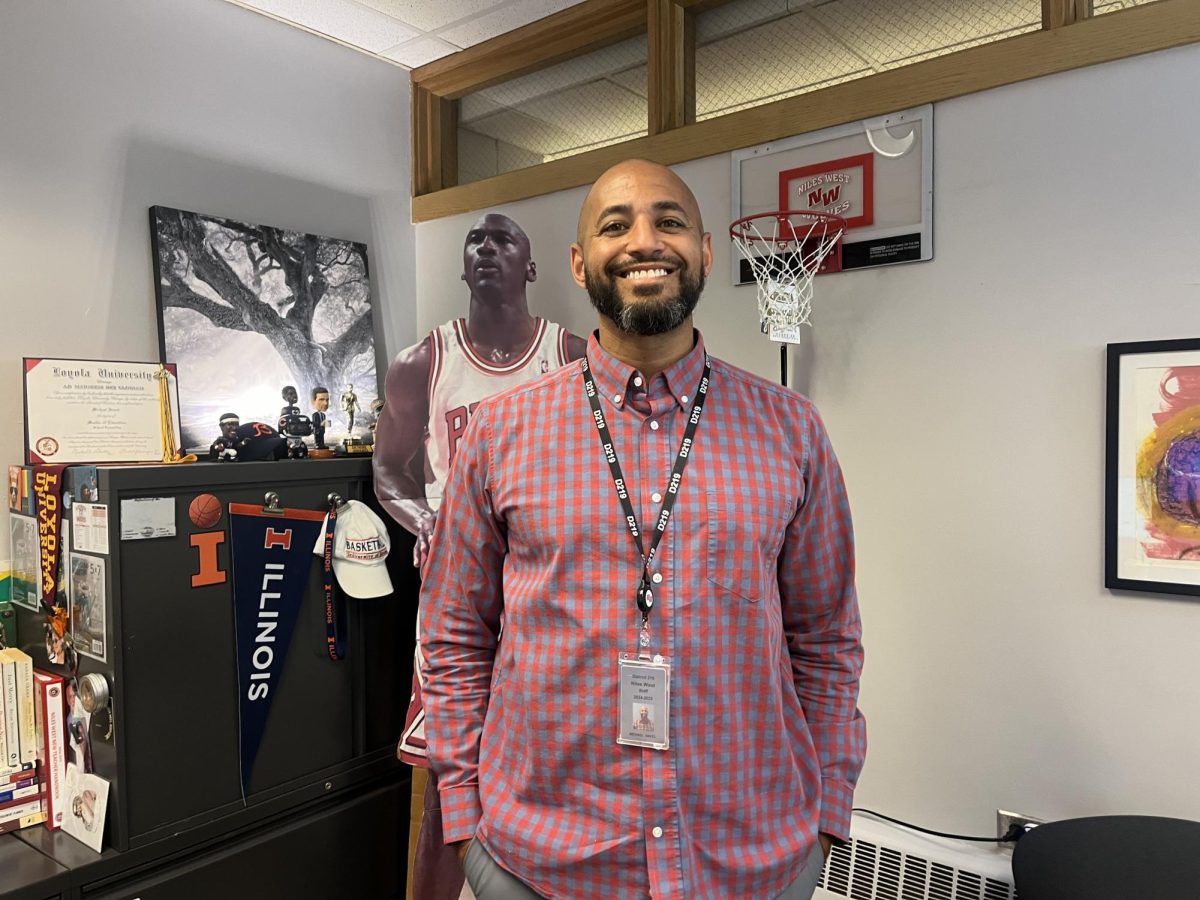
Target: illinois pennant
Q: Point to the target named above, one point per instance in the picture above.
(272, 558)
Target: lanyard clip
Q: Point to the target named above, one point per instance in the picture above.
(645, 597)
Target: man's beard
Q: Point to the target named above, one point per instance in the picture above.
(655, 314)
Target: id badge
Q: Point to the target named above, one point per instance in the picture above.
(645, 693)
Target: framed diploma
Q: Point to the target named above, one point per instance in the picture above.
(90, 411)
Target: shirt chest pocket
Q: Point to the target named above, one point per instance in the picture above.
(743, 545)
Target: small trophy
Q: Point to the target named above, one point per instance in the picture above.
(352, 446)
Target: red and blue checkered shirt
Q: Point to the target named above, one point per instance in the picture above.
(529, 598)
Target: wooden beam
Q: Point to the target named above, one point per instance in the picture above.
(670, 66)
(1143, 29)
(435, 142)
(1057, 13)
(575, 30)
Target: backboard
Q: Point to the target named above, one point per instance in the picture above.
(876, 174)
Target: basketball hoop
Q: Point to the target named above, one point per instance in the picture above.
(786, 250)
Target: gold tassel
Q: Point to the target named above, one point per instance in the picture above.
(166, 422)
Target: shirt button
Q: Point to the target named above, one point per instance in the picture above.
(656, 497)
(638, 380)
(656, 831)
(656, 578)
(616, 398)
(683, 399)
(654, 426)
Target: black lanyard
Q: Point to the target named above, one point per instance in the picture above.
(645, 596)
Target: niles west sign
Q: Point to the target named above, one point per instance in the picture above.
(840, 187)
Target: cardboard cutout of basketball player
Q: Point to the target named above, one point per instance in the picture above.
(430, 392)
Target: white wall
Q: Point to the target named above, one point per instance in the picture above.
(965, 397)
(109, 108)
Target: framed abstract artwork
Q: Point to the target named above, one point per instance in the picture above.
(245, 310)
(1152, 471)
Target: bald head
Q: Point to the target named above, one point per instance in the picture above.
(615, 187)
(496, 260)
(498, 222)
(642, 253)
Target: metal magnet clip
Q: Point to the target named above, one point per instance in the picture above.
(335, 500)
(271, 504)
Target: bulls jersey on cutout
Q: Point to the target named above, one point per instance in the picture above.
(458, 379)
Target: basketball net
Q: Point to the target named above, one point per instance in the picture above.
(785, 251)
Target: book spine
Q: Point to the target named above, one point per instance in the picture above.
(22, 808)
(54, 751)
(20, 793)
(7, 806)
(35, 817)
(25, 706)
(19, 779)
(12, 730)
(13, 773)
(4, 763)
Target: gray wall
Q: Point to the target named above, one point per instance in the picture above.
(965, 397)
(109, 108)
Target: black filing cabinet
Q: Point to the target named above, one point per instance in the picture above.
(169, 745)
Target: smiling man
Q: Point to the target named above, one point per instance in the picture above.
(430, 392)
(653, 530)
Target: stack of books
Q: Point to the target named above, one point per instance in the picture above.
(32, 744)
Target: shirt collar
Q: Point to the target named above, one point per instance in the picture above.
(614, 379)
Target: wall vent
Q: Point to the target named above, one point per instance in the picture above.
(888, 862)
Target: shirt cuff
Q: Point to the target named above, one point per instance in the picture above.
(461, 813)
(837, 798)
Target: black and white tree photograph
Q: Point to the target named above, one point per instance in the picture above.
(245, 310)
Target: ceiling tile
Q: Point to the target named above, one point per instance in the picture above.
(733, 17)
(633, 80)
(578, 118)
(918, 28)
(344, 20)
(429, 16)
(768, 62)
(502, 20)
(420, 51)
(602, 63)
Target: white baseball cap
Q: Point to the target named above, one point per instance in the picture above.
(360, 549)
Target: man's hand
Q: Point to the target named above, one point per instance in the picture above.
(461, 848)
(826, 843)
(424, 533)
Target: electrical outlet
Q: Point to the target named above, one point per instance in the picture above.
(1006, 820)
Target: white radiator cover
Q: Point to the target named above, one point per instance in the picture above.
(888, 862)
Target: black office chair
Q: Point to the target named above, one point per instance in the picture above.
(1109, 858)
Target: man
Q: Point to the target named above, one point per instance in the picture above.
(430, 392)
(432, 387)
(320, 414)
(290, 399)
(225, 446)
(694, 554)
